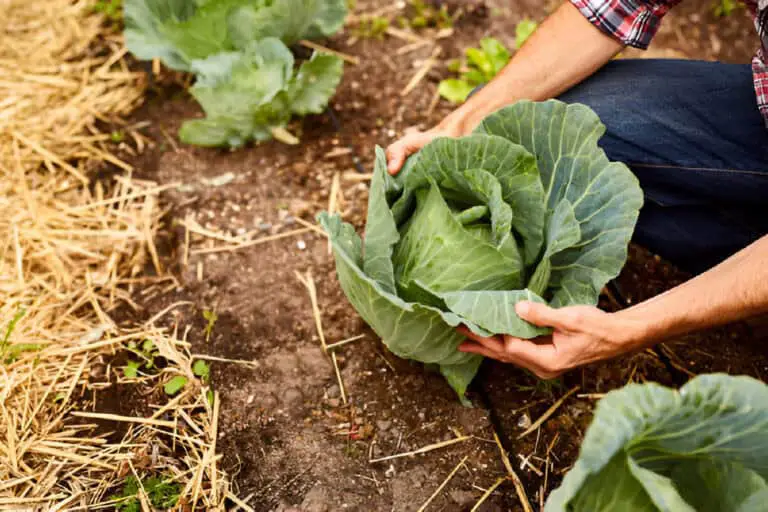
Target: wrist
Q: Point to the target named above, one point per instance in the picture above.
(453, 124)
(639, 329)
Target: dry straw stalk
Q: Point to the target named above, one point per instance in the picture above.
(70, 250)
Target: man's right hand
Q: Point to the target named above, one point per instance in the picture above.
(410, 143)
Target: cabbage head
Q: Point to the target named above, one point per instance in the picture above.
(528, 207)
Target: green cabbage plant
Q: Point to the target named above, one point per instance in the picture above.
(252, 94)
(528, 207)
(246, 81)
(181, 31)
(650, 448)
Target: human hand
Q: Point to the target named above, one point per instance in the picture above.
(411, 142)
(581, 335)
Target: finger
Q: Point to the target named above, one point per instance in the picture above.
(539, 314)
(405, 147)
(395, 157)
(539, 358)
(492, 342)
(471, 347)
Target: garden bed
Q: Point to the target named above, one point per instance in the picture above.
(237, 239)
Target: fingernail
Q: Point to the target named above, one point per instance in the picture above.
(522, 308)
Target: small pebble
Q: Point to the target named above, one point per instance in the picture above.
(524, 421)
(265, 226)
(390, 472)
(301, 244)
(333, 391)
(391, 133)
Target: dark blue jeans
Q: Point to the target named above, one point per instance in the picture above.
(692, 134)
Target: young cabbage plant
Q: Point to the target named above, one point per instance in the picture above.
(252, 94)
(246, 82)
(528, 207)
(651, 449)
(181, 31)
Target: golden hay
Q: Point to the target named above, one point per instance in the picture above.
(69, 253)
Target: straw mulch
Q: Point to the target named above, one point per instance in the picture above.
(71, 252)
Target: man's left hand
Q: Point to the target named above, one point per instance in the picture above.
(581, 335)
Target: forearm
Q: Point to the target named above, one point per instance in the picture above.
(564, 50)
(734, 290)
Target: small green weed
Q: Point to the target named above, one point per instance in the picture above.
(200, 368)
(371, 27)
(211, 317)
(423, 15)
(162, 494)
(724, 8)
(524, 30)
(175, 385)
(146, 353)
(112, 9)
(547, 387)
(10, 353)
(481, 65)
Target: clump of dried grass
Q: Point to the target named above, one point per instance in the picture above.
(71, 251)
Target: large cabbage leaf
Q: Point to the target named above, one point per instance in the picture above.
(526, 208)
(650, 448)
(248, 95)
(181, 31)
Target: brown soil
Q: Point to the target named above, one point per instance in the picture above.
(284, 432)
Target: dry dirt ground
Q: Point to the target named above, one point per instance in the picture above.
(285, 433)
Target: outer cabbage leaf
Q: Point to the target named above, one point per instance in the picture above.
(246, 95)
(179, 32)
(704, 448)
(144, 29)
(409, 330)
(605, 196)
(289, 20)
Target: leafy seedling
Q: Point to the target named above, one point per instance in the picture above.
(372, 27)
(724, 8)
(162, 494)
(482, 64)
(175, 385)
(202, 370)
(523, 31)
(211, 317)
(423, 15)
(131, 370)
(146, 352)
(8, 352)
(111, 9)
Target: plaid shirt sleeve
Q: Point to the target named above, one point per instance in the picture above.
(633, 22)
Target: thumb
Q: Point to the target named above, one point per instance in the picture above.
(395, 160)
(538, 314)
